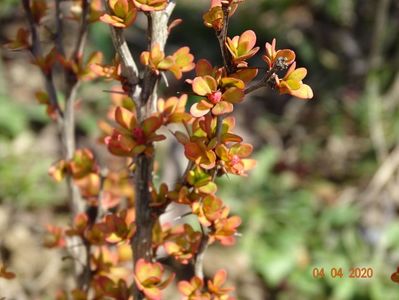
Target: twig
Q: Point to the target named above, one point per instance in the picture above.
(66, 124)
(59, 29)
(182, 216)
(279, 65)
(73, 83)
(70, 91)
(230, 68)
(37, 53)
(222, 36)
(129, 66)
(199, 257)
(82, 37)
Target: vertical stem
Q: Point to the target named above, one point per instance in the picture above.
(222, 35)
(80, 248)
(66, 119)
(83, 31)
(60, 29)
(129, 67)
(142, 240)
(36, 51)
(199, 258)
(230, 68)
(77, 204)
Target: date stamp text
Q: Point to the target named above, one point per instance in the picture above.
(338, 272)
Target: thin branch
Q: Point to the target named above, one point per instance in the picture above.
(72, 85)
(200, 255)
(279, 65)
(59, 45)
(100, 209)
(182, 216)
(83, 30)
(129, 66)
(149, 30)
(226, 55)
(77, 204)
(37, 53)
(52, 93)
(66, 127)
(222, 36)
(36, 46)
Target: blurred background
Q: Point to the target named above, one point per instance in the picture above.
(325, 192)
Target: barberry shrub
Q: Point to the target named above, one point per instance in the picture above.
(116, 237)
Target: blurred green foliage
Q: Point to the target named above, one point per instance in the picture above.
(23, 173)
(288, 230)
(6, 6)
(295, 212)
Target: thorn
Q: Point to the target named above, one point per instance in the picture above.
(228, 177)
(115, 92)
(182, 216)
(165, 79)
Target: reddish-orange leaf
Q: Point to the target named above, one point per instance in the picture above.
(203, 67)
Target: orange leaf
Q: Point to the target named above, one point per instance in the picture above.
(304, 92)
(151, 124)
(204, 85)
(246, 42)
(242, 150)
(150, 5)
(221, 108)
(166, 63)
(209, 188)
(246, 75)
(233, 95)
(125, 118)
(203, 67)
(249, 164)
(200, 109)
